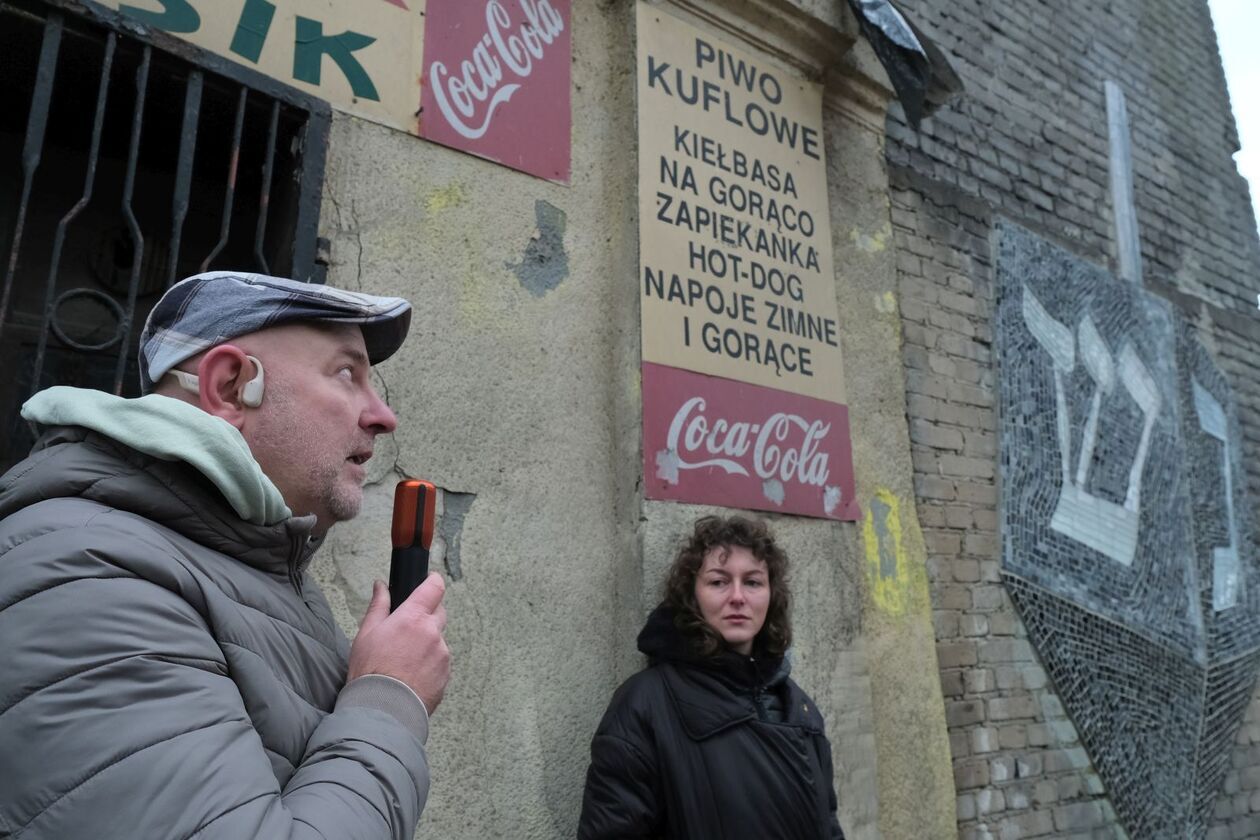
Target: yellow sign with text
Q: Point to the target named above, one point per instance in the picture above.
(363, 56)
(734, 229)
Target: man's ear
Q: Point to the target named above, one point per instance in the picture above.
(222, 374)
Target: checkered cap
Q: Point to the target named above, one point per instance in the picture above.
(209, 309)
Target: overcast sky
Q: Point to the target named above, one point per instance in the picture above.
(1238, 30)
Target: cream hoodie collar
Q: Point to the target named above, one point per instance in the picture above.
(171, 430)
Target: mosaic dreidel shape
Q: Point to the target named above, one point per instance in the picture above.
(1102, 525)
(1225, 569)
(1123, 547)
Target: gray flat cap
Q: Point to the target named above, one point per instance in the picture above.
(209, 309)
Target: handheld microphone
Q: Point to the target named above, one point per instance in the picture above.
(415, 508)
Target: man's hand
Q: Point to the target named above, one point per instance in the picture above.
(406, 644)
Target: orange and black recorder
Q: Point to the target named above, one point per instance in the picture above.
(415, 507)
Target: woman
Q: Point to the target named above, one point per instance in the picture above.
(713, 739)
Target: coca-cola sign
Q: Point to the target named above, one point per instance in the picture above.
(708, 440)
(496, 81)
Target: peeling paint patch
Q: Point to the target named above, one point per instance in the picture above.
(886, 562)
(455, 507)
(886, 303)
(871, 243)
(773, 490)
(444, 199)
(667, 463)
(831, 499)
(545, 264)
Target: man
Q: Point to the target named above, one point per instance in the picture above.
(169, 670)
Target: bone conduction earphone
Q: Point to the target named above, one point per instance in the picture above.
(251, 395)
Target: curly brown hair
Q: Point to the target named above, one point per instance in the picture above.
(711, 532)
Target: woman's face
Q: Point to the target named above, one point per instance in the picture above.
(733, 592)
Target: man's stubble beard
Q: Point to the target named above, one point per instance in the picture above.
(320, 479)
(339, 500)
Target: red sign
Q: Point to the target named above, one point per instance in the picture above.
(708, 440)
(496, 81)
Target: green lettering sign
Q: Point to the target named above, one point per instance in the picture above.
(311, 45)
(252, 29)
(176, 16)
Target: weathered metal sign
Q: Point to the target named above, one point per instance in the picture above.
(363, 56)
(504, 85)
(496, 82)
(737, 281)
(714, 441)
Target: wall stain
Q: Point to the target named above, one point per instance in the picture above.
(887, 567)
(871, 243)
(444, 199)
(545, 264)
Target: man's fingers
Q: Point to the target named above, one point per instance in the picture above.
(439, 618)
(378, 609)
(428, 595)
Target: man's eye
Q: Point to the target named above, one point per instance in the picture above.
(347, 372)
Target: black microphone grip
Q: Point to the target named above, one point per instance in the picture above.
(408, 567)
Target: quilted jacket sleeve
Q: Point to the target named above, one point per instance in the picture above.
(621, 800)
(118, 717)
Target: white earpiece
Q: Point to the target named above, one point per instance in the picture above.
(187, 381)
(251, 394)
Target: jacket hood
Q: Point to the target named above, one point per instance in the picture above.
(170, 430)
(662, 641)
(717, 692)
(178, 488)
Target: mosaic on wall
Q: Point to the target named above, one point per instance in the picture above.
(1126, 545)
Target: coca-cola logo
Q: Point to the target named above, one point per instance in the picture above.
(469, 96)
(784, 447)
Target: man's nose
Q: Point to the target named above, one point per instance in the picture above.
(378, 417)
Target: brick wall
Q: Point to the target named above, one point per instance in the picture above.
(1027, 141)
(1020, 770)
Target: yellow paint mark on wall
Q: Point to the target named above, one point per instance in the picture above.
(887, 566)
(444, 199)
(871, 243)
(886, 303)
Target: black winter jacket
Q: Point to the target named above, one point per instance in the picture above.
(689, 750)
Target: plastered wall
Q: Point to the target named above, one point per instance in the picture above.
(519, 391)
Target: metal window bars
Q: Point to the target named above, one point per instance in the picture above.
(111, 118)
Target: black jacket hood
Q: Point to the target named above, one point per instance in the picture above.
(661, 640)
